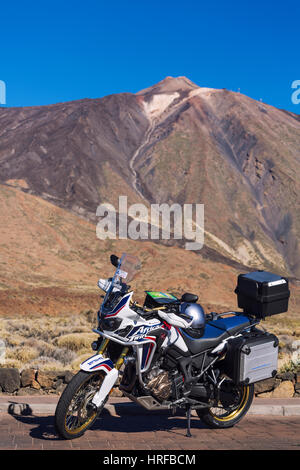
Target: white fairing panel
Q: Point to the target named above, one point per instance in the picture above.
(145, 353)
(175, 338)
(174, 320)
(107, 385)
(100, 363)
(97, 362)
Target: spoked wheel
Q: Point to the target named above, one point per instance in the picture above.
(234, 402)
(72, 416)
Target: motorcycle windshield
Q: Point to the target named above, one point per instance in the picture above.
(127, 269)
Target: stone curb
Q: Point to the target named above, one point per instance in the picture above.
(121, 406)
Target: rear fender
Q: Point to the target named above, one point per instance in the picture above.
(96, 363)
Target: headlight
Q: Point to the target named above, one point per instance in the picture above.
(110, 324)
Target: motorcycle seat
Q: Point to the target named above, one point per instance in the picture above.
(232, 322)
(211, 338)
(215, 331)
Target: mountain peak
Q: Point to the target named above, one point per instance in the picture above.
(170, 85)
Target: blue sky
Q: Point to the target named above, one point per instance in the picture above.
(59, 51)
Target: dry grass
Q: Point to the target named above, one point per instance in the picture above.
(48, 343)
(75, 341)
(58, 343)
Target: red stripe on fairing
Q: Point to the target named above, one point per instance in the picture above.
(123, 302)
(151, 346)
(114, 314)
(103, 365)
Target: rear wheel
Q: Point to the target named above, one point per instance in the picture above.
(73, 416)
(234, 403)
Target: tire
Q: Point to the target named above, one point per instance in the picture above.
(229, 411)
(78, 393)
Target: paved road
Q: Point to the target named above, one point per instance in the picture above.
(152, 431)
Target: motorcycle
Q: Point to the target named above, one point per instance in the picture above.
(169, 354)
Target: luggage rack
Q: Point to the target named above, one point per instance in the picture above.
(214, 316)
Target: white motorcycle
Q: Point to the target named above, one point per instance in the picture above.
(167, 354)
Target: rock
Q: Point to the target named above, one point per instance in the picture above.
(297, 386)
(58, 383)
(35, 385)
(265, 395)
(27, 377)
(51, 374)
(68, 376)
(266, 385)
(284, 390)
(60, 374)
(28, 391)
(10, 379)
(286, 376)
(52, 391)
(44, 380)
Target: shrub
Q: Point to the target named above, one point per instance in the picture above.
(75, 341)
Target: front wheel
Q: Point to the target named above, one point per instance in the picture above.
(234, 403)
(72, 416)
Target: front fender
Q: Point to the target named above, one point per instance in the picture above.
(96, 363)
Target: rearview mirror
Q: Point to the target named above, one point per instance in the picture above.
(114, 260)
(189, 298)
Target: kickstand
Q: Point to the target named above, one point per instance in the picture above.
(188, 415)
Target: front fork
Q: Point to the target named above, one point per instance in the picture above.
(111, 375)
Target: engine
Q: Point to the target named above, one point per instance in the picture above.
(159, 383)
